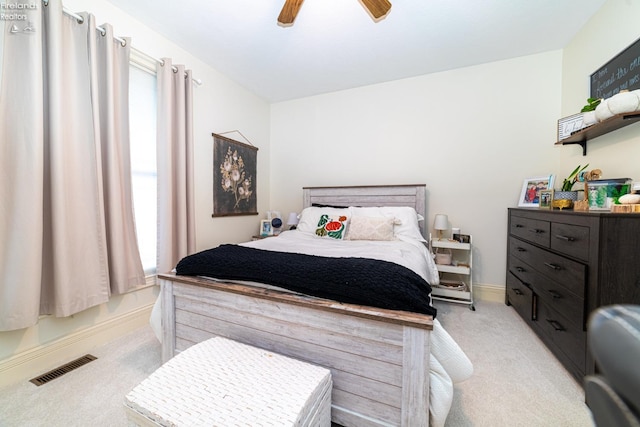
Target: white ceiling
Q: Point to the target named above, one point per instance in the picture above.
(335, 44)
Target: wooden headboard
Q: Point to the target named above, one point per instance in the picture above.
(370, 195)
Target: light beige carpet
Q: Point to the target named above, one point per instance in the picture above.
(517, 381)
(91, 395)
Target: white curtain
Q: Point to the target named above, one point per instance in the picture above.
(57, 168)
(176, 217)
(125, 266)
(21, 169)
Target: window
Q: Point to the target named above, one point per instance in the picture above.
(142, 117)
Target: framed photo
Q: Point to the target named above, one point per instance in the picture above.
(531, 187)
(546, 197)
(234, 177)
(265, 228)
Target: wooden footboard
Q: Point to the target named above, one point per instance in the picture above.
(379, 359)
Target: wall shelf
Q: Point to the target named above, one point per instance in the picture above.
(613, 123)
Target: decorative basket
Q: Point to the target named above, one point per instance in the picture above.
(443, 258)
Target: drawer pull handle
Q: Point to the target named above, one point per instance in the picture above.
(553, 266)
(520, 270)
(536, 230)
(557, 326)
(518, 292)
(567, 238)
(519, 225)
(521, 249)
(555, 294)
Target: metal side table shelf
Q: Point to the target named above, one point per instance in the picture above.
(456, 280)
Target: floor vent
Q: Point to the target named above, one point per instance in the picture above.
(61, 370)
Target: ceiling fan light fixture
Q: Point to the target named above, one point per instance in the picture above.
(289, 12)
(377, 8)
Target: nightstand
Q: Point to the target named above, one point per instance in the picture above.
(259, 237)
(456, 281)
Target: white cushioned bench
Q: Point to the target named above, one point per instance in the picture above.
(220, 382)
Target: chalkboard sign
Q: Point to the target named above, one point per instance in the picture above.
(620, 73)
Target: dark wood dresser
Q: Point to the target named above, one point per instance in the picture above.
(561, 265)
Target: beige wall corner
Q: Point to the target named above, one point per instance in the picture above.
(492, 293)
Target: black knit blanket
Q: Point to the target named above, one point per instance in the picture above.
(360, 281)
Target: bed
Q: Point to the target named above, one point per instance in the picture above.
(389, 366)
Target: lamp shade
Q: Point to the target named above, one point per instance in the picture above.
(441, 222)
(293, 219)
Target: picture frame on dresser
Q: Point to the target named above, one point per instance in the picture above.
(531, 187)
(545, 199)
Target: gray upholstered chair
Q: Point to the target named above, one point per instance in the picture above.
(613, 394)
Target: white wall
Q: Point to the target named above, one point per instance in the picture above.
(610, 31)
(220, 105)
(472, 135)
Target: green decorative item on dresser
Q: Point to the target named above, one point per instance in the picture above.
(568, 182)
(604, 193)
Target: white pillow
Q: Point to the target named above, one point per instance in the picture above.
(309, 217)
(371, 228)
(406, 224)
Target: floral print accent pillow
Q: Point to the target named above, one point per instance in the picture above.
(333, 227)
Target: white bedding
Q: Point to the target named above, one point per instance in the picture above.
(407, 252)
(448, 363)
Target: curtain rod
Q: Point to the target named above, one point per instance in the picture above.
(122, 41)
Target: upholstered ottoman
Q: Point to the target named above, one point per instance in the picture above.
(220, 382)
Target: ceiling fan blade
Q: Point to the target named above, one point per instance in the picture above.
(377, 8)
(289, 11)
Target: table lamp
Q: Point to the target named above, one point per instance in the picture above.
(292, 221)
(441, 223)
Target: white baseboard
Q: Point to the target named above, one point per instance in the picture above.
(493, 293)
(41, 359)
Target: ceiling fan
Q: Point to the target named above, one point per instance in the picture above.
(377, 9)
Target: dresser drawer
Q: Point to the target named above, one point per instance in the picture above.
(563, 271)
(533, 230)
(565, 336)
(556, 296)
(520, 297)
(589, 263)
(569, 239)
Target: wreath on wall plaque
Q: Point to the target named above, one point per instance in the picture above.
(234, 177)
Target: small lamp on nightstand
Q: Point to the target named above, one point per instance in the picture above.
(292, 221)
(441, 223)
